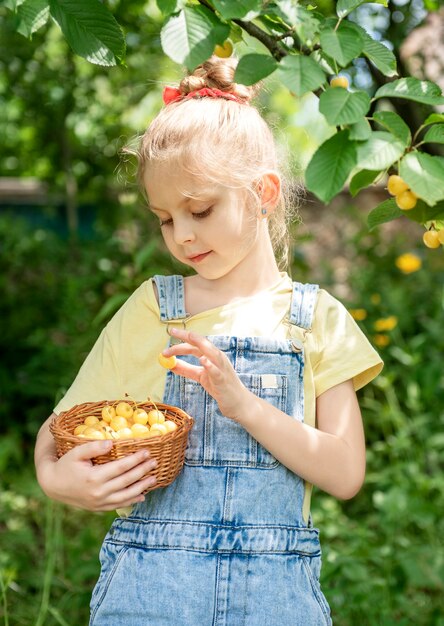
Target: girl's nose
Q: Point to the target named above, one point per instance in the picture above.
(183, 232)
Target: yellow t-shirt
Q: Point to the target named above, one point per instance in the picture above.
(124, 357)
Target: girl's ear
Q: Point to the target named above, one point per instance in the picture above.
(269, 191)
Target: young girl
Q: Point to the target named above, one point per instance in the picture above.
(267, 367)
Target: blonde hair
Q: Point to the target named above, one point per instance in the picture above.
(219, 141)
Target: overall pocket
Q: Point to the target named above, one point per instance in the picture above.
(219, 441)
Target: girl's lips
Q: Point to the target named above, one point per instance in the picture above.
(198, 257)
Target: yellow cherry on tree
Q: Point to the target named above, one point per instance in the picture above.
(225, 50)
(396, 185)
(406, 200)
(339, 81)
(431, 239)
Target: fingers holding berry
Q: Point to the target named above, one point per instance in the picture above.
(214, 372)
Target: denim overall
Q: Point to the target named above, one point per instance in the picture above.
(226, 543)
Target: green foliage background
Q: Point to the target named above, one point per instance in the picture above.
(65, 121)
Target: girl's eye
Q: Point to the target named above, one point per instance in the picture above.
(167, 222)
(203, 214)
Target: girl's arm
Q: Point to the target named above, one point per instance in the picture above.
(331, 456)
(74, 480)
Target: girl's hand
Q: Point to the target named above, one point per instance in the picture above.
(215, 372)
(74, 480)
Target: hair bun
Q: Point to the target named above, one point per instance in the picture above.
(218, 73)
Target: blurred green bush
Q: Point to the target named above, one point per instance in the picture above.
(383, 552)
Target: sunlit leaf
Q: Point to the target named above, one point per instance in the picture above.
(300, 73)
(379, 151)
(360, 130)
(189, 37)
(254, 67)
(330, 166)
(340, 106)
(423, 91)
(238, 9)
(380, 56)
(90, 29)
(394, 124)
(424, 174)
(435, 134)
(32, 15)
(343, 43)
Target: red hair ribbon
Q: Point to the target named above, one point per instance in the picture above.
(172, 94)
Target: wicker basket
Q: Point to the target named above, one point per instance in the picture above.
(168, 449)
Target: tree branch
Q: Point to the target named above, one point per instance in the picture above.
(268, 40)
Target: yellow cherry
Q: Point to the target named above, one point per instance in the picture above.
(225, 50)
(90, 420)
(339, 81)
(406, 200)
(396, 185)
(140, 430)
(110, 433)
(124, 410)
(118, 422)
(160, 429)
(108, 412)
(125, 433)
(78, 430)
(431, 239)
(140, 416)
(170, 425)
(169, 362)
(155, 417)
(92, 433)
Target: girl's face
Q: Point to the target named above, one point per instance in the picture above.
(213, 232)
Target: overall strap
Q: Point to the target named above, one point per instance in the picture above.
(171, 297)
(303, 301)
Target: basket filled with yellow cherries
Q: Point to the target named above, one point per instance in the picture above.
(161, 428)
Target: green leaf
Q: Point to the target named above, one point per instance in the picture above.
(189, 37)
(32, 15)
(292, 13)
(384, 212)
(13, 5)
(344, 7)
(340, 106)
(361, 180)
(434, 118)
(90, 29)
(253, 67)
(379, 151)
(424, 174)
(435, 134)
(170, 6)
(394, 124)
(343, 44)
(423, 91)
(238, 9)
(423, 213)
(330, 166)
(379, 55)
(300, 73)
(360, 130)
